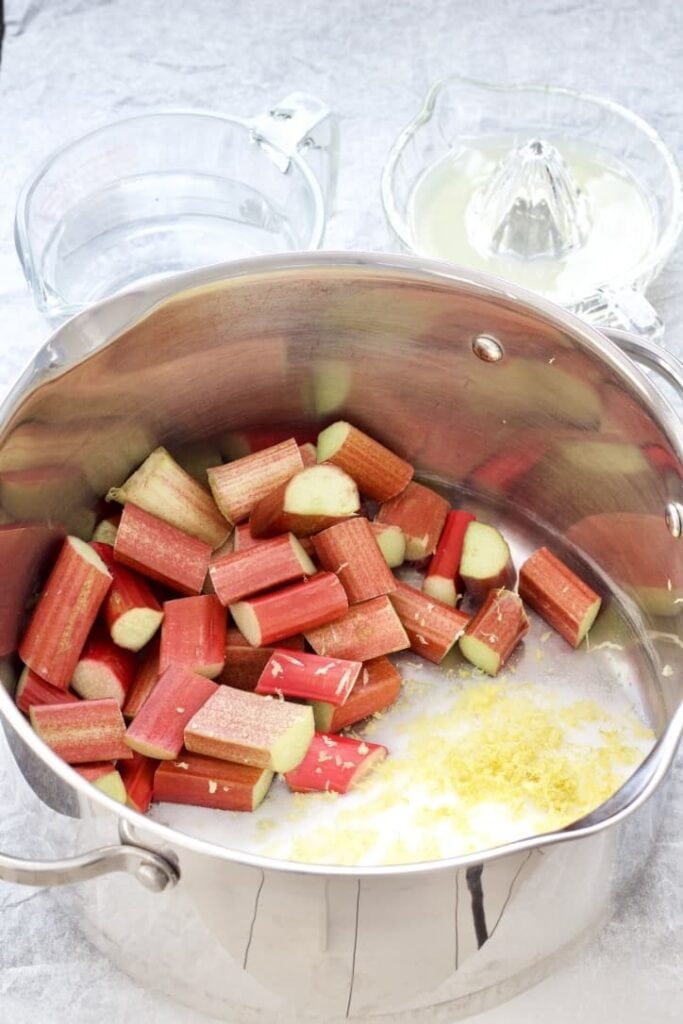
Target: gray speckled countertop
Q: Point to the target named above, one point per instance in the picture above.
(71, 65)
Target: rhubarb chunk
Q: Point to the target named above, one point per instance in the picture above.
(314, 499)
(87, 730)
(392, 543)
(351, 550)
(492, 634)
(194, 635)
(432, 627)
(441, 578)
(259, 567)
(421, 514)
(238, 486)
(334, 764)
(144, 682)
(558, 595)
(378, 472)
(104, 776)
(105, 531)
(103, 669)
(32, 690)
(165, 490)
(131, 610)
(366, 631)
(262, 731)
(244, 663)
(161, 551)
(486, 563)
(308, 676)
(157, 729)
(211, 782)
(137, 777)
(376, 689)
(308, 454)
(65, 613)
(265, 620)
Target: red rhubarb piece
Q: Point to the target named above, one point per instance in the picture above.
(32, 690)
(245, 727)
(334, 764)
(87, 730)
(24, 550)
(144, 682)
(432, 627)
(105, 777)
(165, 490)
(486, 563)
(131, 610)
(558, 595)
(309, 456)
(378, 472)
(161, 551)
(103, 669)
(421, 514)
(157, 729)
(351, 550)
(244, 663)
(261, 567)
(105, 531)
(310, 501)
(211, 782)
(366, 631)
(241, 540)
(492, 634)
(295, 609)
(194, 635)
(392, 543)
(376, 689)
(308, 676)
(65, 613)
(238, 486)
(441, 578)
(137, 776)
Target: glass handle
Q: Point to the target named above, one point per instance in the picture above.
(304, 126)
(624, 309)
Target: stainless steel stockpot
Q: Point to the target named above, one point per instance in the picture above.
(452, 370)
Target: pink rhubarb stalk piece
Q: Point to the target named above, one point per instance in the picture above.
(32, 690)
(211, 782)
(367, 630)
(241, 540)
(260, 567)
(105, 531)
(376, 689)
(105, 777)
(351, 550)
(245, 727)
(244, 663)
(378, 472)
(295, 609)
(486, 562)
(558, 595)
(194, 634)
(392, 543)
(421, 514)
(157, 729)
(308, 676)
(432, 626)
(103, 669)
(144, 682)
(137, 775)
(161, 551)
(308, 454)
(238, 486)
(65, 613)
(492, 634)
(87, 730)
(334, 764)
(310, 501)
(161, 487)
(442, 575)
(131, 610)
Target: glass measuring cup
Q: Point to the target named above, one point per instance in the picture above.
(459, 113)
(160, 193)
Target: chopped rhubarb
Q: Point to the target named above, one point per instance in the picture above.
(310, 501)
(165, 490)
(65, 613)
(376, 689)
(308, 676)
(421, 514)
(105, 777)
(295, 609)
(492, 634)
(145, 680)
(137, 775)
(351, 550)
(157, 729)
(24, 551)
(32, 690)
(261, 567)
(366, 631)
(87, 730)
(211, 782)
(241, 540)
(334, 764)
(238, 486)
(392, 543)
(194, 635)
(432, 626)
(442, 574)
(309, 456)
(244, 663)
(103, 669)
(105, 531)
(558, 595)
(131, 610)
(378, 472)
(486, 563)
(262, 731)
(161, 551)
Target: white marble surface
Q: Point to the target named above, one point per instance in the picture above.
(71, 65)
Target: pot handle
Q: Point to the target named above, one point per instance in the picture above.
(651, 355)
(154, 872)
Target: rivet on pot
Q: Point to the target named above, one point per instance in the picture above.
(673, 514)
(487, 348)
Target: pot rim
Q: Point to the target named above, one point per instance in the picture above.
(47, 364)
